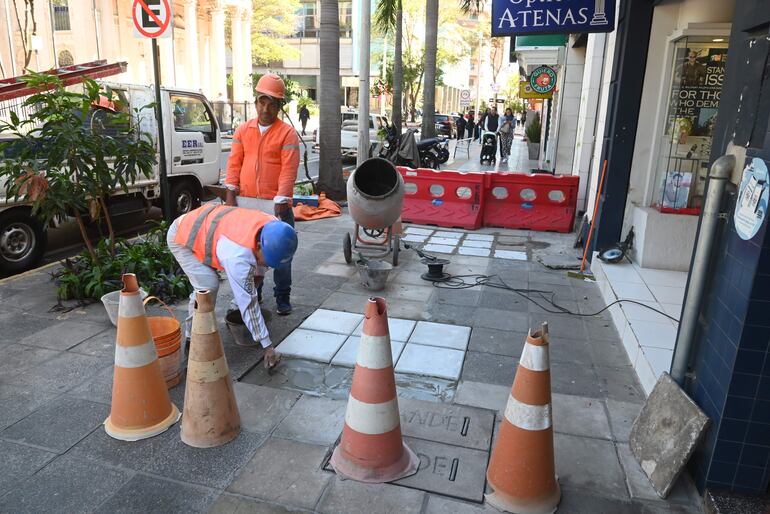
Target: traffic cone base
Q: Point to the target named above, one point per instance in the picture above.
(521, 470)
(211, 416)
(140, 406)
(371, 448)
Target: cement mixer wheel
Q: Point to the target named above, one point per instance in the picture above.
(347, 248)
(396, 249)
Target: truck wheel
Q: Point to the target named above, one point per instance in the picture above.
(184, 197)
(23, 240)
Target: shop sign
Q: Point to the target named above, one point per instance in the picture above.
(751, 207)
(543, 80)
(152, 18)
(465, 97)
(517, 17)
(526, 91)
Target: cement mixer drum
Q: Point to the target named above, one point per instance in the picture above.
(375, 194)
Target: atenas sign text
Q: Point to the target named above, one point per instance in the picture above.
(519, 17)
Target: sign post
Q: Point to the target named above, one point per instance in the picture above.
(465, 97)
(152, 19)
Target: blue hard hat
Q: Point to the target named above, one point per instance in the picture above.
(279, 242)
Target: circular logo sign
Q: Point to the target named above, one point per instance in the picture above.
(543, 79)
(753, 196)
(465, 94)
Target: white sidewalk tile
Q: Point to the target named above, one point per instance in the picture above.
(479, 237)
(419, 231)
(443, 241)
(512, 255)
(452, 235)
(438, 248)
(332, 321)
(400, 329)
(431, 361)
(312, 345)
(478, 252)
(470, 243)
(440, 334)
(346, 356)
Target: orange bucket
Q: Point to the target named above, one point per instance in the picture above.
(167, 334)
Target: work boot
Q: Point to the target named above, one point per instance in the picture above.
(284, 305)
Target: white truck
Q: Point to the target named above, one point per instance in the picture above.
(193, 147)
(349, 133)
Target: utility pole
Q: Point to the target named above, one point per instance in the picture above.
(478, 76)
(363, 82)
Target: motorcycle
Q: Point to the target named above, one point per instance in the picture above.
(406, 151)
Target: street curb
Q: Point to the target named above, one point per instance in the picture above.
(28, 272)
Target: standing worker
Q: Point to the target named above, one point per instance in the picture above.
(263, 166)
(243, 243)
(304, 116)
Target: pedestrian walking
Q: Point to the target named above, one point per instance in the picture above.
(481, 123)
(460, 124)
(262, 170)
(304, 116)
(507, 125)
(242, 243)
(471, 124)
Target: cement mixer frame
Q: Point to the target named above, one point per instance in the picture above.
(381, 243)
(375, 197)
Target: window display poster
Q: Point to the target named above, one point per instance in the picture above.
(699, 72)
(751, 207)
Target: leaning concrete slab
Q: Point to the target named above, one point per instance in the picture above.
(665, 434)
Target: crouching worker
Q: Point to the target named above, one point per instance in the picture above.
(243, 243)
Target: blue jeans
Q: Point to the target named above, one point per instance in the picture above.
(282, 275)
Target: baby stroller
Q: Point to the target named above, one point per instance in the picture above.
(488, 148)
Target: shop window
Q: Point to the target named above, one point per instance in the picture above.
(61, 15)
(697, 74)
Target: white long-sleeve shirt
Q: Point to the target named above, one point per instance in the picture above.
(241, 267)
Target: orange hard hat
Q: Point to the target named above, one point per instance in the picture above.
(104, 103)
(271, 84)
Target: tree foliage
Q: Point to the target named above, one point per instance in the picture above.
(272, 23)
(73, 151)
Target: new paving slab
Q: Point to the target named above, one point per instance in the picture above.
(441, 334)
(346, 356)
(419, 359)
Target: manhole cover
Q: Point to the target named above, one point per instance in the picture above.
(446, 423)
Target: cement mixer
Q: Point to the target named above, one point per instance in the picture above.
(375, 196)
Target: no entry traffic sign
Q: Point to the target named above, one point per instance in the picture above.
(152, 18)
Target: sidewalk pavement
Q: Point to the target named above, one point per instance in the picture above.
(56, 376)
(466, 158)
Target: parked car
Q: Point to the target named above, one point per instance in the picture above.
(349, 134)
(445, 125)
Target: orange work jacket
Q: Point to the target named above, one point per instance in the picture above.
(263, 165)
(201, 228)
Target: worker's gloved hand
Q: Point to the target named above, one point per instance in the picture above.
(271, 357)
(281, 208)
(231, 198)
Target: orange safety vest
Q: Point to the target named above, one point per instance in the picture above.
(263, 165)
(201, 228)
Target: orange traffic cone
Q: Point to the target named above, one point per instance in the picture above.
(141, 407)
(371, 449)
(521, 470)
(211, 415)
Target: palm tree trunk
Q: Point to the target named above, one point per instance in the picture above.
(398, 70)
(429, 89)
(330, 164)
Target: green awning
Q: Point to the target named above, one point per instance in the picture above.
(545, 40)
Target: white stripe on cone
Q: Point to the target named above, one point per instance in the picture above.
(372, 418)
(535, 358)
(527, 417)
(135, 356)
(374, 352)
(204, 323)
(130, 306)
(208, 371)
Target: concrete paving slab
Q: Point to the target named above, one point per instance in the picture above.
(620, 384)
(590, 465)
(152, 494)
(284, 471)
(99, 345)
(501, 319)
(304, 376)
(441, 505)
(499, 342)
(17, 325)
(414, 238)
(62, 372)
(418, 230)
(479, 252)
(449, 470)
(472, 243)
(408, 309)
(479, 237)
(446, 423)
(419, 292)
(581, 416)
(58, 425)
(96, 389)
(62, 335)
(666, 433)
(438, 248)
(490, 368)
(400, 329)
(346, 356)
(19, 357)
(431, 361)
(312, 345)
(335, 322)
(683, 491)
(486, 396)
(578, 501)
(67, 484)
(622, 416)
(262, 408)
(353, 303)
(575, 379)
(449, 241)
(349, 497)
(511, 255)
(468, 298)
(229, 504)
(20, 463)
(448, 234)
(336, 270)
(605, 353)
(17, 402)
(441, 334)
(313, 420)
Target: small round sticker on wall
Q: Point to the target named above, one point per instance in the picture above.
(751, 207)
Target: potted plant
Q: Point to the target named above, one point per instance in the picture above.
(533, 137)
